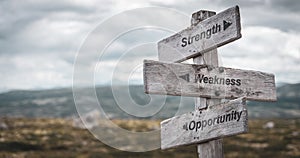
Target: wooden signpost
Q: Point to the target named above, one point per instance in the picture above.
(211, 119)
(207, 81)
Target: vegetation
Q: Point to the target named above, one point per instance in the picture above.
(24, 137)
(60, 103)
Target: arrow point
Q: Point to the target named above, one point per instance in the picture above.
(226, 24)
(186, 77)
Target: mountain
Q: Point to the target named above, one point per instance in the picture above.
(60, 103)
(40, 103)
(286, 106)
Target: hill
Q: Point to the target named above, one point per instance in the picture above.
(287, 105)
(60, 103)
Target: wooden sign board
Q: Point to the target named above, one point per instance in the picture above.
(209, 34)
(206, 81)
(220, 120)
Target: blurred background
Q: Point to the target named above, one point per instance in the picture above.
(41, 41)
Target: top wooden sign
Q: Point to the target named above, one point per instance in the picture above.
(209, 34)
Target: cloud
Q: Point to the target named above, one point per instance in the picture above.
(127, 68)
(27, 72)
(39, 39)
(266, 49)
(285, 5)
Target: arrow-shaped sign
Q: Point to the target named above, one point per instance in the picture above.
(217, 121)
(205, 81)
(209, 34)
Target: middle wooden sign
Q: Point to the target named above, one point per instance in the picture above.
(206, 81)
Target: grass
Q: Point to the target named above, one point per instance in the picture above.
(49, 138)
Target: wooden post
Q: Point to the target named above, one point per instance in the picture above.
(211, 149)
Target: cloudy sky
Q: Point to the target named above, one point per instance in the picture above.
(41, 40)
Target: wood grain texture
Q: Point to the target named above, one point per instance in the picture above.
(213, 148)
(184, 80)
(173, 48)
(209, 58)
(218, 121)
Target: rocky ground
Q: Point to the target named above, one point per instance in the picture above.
(24, 137)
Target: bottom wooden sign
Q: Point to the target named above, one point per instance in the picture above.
(217, 121)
